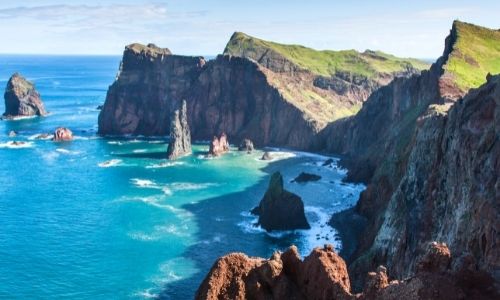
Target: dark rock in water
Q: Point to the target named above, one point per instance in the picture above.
(12, 133)
(266, 156)
(219, 146)
(306, 177)
(246, 145)
(22, 99)
(62, 134)
(18, 143)
(327, 162)
(180, 136)
(280, 209)
(99, 107)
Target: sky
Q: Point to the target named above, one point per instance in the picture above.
(203, 27)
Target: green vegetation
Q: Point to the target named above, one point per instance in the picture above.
(326, 63)
(475, 54)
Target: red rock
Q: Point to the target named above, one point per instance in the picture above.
(218, 146)
(62, 134)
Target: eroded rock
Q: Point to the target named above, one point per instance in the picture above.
(280, 209)
(219, 145)
(180, 135)
(22, 99)
(62, 134)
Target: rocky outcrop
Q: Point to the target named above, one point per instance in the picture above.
(180, 135)
(414, 151)
(246, 145)
(22, 99)
(323, 275)
(62, 134)
(266, 156)
(280, 209)
(148, 88)
(306, 177)
(218, 145)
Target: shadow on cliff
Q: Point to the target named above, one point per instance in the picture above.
(219, 235)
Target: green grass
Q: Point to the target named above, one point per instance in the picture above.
(327, 62)
(475, 54)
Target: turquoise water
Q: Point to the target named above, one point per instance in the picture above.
(100, 218)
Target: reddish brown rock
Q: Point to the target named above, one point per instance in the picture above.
(219, 145)
(323, 275)
(62, 134)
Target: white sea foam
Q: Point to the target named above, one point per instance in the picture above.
(38, 136)
(16, 145)
(115, 143)
(144, 183)
(110, 163)
(140, 151)
(65, 151)
(165, 164)
(179, 186)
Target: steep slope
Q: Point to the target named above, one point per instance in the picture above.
(326, 85)
(379, 143)
(236, 95)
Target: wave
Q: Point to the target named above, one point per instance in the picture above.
(65, 151)
(110, 163)
(181, 186)
(16, 145)
(144, 183)
(165, 165)
(140, 151)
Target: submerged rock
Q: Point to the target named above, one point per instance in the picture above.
(328, 162)
(219, 146)
(306, 177)
(266, 156)
(22, 99)
(246, 145)
(280, 209)
(62, 134)
(180, 136)
(12, 133)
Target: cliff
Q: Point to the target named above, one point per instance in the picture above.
(276, 102)
(400, 133)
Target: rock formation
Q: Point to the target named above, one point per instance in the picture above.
(180, 136)
(219, 145)
(268, 102)
(266, 156)
(246, 145)
(323, 275)
(62, 134)
(280, 209)
(22, 99)
(415, 141)
(12, 133)
(306, 177)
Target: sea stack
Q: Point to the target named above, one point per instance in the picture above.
(180, 136)
(22, 99)
(62, 134)
(280, 209)
(219, 145)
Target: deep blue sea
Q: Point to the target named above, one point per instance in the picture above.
(109, 218)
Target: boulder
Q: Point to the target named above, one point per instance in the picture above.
(306, 177)
(280, 209)
(266, 156)
(219, 145)
(246, 145)
(62, 134)
(22, 99)
(328, 162)
(180, 136)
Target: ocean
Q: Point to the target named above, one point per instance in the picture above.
(111, 218)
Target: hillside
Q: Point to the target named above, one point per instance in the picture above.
(476, 52)
(325, 63)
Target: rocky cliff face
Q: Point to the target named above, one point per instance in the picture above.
(22, 99)
(272, 101)
(150, 85)
(180, 135)
(323, 275)
(399, 142)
